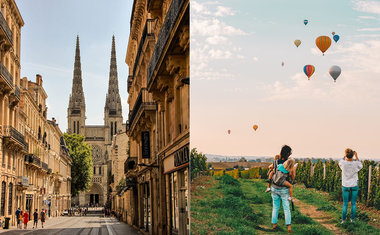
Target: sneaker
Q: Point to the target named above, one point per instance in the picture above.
(268, 190)
(352, 220)
(343, 221)
(291, 199)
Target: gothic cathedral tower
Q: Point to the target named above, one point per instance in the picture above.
(76, 112)
(113, 119)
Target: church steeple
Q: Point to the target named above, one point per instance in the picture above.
(112, 111)
(77, 107)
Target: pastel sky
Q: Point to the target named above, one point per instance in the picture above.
(48, 48)
(237, 48)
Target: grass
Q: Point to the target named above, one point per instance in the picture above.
(334, 209)
(228, 206)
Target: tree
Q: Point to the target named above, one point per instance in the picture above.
(197, 163)
(81, 169)
(243, 159)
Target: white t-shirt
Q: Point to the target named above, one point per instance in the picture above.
(350, 171)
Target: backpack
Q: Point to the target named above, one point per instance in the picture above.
(279, 177)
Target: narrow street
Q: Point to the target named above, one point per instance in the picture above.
(77, 225)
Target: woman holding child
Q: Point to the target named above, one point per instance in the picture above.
(281, 170)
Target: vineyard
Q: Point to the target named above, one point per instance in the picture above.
(327, 176)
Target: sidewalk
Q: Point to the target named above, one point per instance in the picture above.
(50, 222)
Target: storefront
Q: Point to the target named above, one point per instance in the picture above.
(176, 168)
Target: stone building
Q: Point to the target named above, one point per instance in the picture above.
(157, 170)
(44, 182)
(13, 146)
(98, 136)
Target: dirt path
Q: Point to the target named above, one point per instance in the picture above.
(318, 216)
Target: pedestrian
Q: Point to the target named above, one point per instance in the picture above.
(35, 218)
(281, 193)
(43, 217)
(26, 219)
(20, 219)
(350, 169)
(18, 211)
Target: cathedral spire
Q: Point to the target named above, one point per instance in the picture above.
(113, 101)
(77, 106)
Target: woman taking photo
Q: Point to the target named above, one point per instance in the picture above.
(350, 169)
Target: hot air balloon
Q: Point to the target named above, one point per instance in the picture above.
(308, 70)
(229, 131)
(297, 42)
(336, 38)
(323, 43)
(335, 71)
(305, 22)
(282, 64)
(255, 127)
(333, 33)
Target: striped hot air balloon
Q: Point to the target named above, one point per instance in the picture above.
(323, 43)
(308, 70)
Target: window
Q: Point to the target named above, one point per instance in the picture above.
(10, 198)
(2, 206)
(74, 127)
(100, 170)
(111, 130)
(94, 170)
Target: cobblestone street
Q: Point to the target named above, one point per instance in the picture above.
(88, 225)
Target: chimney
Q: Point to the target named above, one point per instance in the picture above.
(39, 79)
(24, 82)
(53, 119)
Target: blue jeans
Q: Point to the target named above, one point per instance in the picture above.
(277, 196)
(354, 194)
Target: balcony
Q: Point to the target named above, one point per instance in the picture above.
(22, 182)
(167, 27)
(5, 78)
(45, 166)
(14, 98)
(6, 35)
(144, 102)
(130, 164)
(148, 31)
(32, 159)
(15, 137)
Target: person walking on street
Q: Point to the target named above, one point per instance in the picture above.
(35, 218)
(43, 217)
(350, 169)
(18, 211)
(26, 219)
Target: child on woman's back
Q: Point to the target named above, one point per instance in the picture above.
(283, 173)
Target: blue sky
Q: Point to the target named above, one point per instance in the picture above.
(237, 78)
(48, 48)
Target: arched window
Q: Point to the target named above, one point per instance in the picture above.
(111, 130)
(77, 127)
(10, 198)
(74, 131)
(115, 128)
(2, 206)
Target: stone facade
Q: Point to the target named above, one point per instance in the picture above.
(24, 133)
(98, 136)
(156, 196)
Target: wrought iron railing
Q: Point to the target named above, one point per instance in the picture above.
(168, 25)
(148, 31)
(44, 166)
(143, 98)
(32, 159)
(10, 131)
(6, 75)
(17, 92)
(5, 27)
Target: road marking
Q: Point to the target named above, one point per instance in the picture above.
(109, 228)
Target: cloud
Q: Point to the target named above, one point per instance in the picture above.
(367, 6)
(369, 29)
(360, 73)
(367, 17)
(211, 40)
